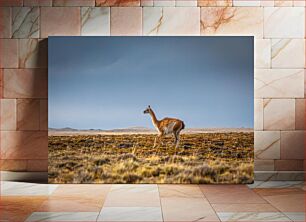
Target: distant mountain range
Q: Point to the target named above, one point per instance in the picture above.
(148, 130)
(129, 129)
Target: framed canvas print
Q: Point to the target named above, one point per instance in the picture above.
(151, 109)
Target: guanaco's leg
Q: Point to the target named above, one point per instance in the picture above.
(177, 139)
(157, 140)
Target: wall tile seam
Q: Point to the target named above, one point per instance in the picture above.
(38, 130)
(267, 97)
(191, 6)
(276, 68)
(79, 14)
(279, 98)
(128, 6)
(3, 82)
(262, 158)
(24, 68)
(283, 130)
(273, 68)
(114, 6)
(40, 13)
(296, 125)
(141, 22)
(109, 19)
(29, 131)
(284, 172)
(256, 157)
(142, 19)
(271, 53)
(41, 98)
(23, 38)
(282, 143)
(24, 159)
(162, 8)
(280, 172)
(52, 5)
(297, 160)
(286, 68)
(21, 169)
(15, 114)
(18, 159)
(289, 130)
(17, 120)
(258, 39)
(176, 6)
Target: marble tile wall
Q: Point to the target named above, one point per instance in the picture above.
(278, 27)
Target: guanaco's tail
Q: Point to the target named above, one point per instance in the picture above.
(183, 125)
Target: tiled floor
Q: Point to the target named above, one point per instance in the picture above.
(269, 201)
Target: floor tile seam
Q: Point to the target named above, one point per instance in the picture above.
(278, 209)
(160, 203)
(281, 213)
(209, 203)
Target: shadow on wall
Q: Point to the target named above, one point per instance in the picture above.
(24, 136)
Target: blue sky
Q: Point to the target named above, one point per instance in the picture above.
(107, 82)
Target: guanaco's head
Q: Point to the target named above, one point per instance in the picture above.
(147, 110)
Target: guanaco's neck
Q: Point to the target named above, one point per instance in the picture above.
(154, 119)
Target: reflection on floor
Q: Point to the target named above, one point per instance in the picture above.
(262, 201)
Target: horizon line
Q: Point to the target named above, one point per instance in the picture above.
(149, 128)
